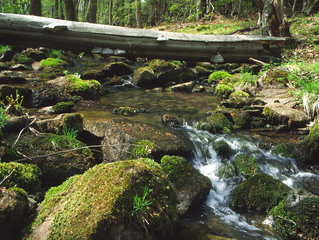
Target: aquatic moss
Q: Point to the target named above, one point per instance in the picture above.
(26, 176)
(91, 205)
(63, 107)
(224, 90)
(299, 220)
(142, 148)
(218, 76)
(52, 62)
(84, 88)
(259, 193)
(216, 123)
(22, 59)
(246, 165)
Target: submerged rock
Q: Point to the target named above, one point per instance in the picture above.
(278, 113)
(102, 204)
(259, 193)
(191, 186)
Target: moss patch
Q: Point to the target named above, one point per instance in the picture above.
(217, 123)
(24, 176)
(312, 144)
(259, 193)
(142, 148)
(90, 206)
(63, 107)
(246, 165)
(286, 150)
(22, 59)
(218, 76)
(160, 65)
(52, 62)
(224, 90)
(84, 88)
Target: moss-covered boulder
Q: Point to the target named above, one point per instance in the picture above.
(242, 119)
(278, 113)
(287, 150)
(119, 136)
(297, 217)
(161, 65)
(218, 76)
(259, 193)
(216, 123)
(103, 203)
(14, 213)
(246, 165)
(116, 69)
(143, 77)
(238, 99)
(50, 153)
(311, 144)
(56, 125)
(21, 175)
(274, 77)
(222, 148)
(224, 90)
(22, 59)
(63, 107)
(53, 63)
(191, 186)
(95, 74)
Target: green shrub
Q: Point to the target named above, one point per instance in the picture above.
(52, 62)
(15, 104)
(24, 176)
(218, 76)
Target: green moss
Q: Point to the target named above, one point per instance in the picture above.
(226, 171)
(142, 148)
(21, 191)
(311, 142)
(222, 148)
(239, 94)
(4, 48)
(286, 150)
(246, 165)
(63, 107)
(160, 65)
(54, 53)
(224, 90)
(24, 176)
(242, 119)
(259, 193)
(218, 76)
(217, 123)
(299, 220)
(52, 62)
(22, 59)
(89, 206)
(84, 88)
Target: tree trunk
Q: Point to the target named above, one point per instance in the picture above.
(138, 14)
(70, 10)
(110, 12)
(200, 8)
(91, 14)
(56, 9)
(48, 32)
(35, 7)
(61, 10)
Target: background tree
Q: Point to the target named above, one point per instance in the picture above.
(138, 13)
(35, 7)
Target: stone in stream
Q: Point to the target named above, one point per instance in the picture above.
(278, 113)
(216, 123)
(14, 212)
(143, 77)
(171, 121)
(297, 216)
(116, 69)
(103, 203)
(118, 137)
(93, 74)
(183, 87)
(191, 186)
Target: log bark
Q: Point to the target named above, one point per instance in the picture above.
(32, 31)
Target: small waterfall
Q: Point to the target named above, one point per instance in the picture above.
(207, 161)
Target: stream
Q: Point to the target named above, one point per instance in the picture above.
(216, 214)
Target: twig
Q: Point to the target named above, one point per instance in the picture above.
(7, 177)
(26, 126)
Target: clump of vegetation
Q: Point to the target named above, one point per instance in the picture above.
(52, 62)
(106, 202)
(216, 123)
(142, 148)
(83, 88)
(14, 106)
(246, 165)
(224, 90)
(247, 78)
(63, 107)
(22, 59)
(20, 175)
(259, 193)
(219, 76)
(69, 133)
(239, 94)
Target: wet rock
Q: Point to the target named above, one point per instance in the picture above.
(16, 123)
(143, 77)
(259, 193)
(128, 111)
(278, 113)
(118, 137)
(4, 66)
(56, 168)
(10, 77)
(222, 148)
(296, 217)
(63, 107)
(93, 74)
(55, 125)
(36, 54)
(171, 121)
(216, 123)
(117, 69)
(183, 87)
(20, 67)
(309, 147)
(242, 119)
(7, 55)
(103, 196)
(246, 165)
(10, 90)
(191, 186)
(199, 89)
(14, 213)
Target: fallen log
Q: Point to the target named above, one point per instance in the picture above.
(33, 31)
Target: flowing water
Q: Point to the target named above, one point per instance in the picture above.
(218, 216)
